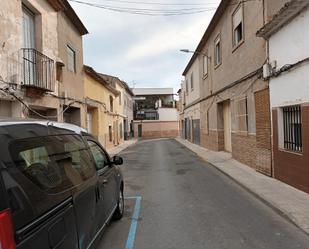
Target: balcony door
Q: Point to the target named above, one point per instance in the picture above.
(29, 60)
(28, 29)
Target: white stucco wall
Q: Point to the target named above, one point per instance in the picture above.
(290, 88)
(288, 46)
(168, 114)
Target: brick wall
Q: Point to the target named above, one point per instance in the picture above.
(157, 129)
(244, 149)
(210, 140)
(160, 134)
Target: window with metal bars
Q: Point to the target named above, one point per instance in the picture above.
(292, 128)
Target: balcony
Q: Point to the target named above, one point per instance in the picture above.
(38, 71)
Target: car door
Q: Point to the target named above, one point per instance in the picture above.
(48, 184)
(107, 184)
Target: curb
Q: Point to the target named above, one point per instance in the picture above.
(122, 149)
(264, 200)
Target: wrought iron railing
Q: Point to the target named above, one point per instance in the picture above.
(38, 70)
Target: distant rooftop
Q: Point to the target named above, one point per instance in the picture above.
(152, 91)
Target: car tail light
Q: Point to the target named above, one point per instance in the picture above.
(6, 230)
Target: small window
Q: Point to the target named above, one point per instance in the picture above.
(218, 53)
(237, 26)
(110, 133)
(71, 59)
(241, 107)
(191, 81)
(187, 86)
(59, 72)
(205, 65)
(111, 103)
(99, 156)
(292, 128)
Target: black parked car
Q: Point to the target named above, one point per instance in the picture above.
(58, 186)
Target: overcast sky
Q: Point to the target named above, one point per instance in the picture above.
(143, 50)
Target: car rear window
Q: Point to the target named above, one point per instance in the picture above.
(46, 169)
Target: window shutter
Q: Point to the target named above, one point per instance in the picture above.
(237, 17)
(242, 114)
(205, 65)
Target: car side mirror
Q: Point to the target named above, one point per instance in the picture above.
(117, 160)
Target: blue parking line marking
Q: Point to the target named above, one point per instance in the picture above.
(132, 197)
(133, 227)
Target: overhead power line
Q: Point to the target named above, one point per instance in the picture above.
(149, 11)
(161, 3)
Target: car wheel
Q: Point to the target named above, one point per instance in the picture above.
(120, 206)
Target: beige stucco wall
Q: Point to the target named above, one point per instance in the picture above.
(236, 61)
(72, 82)
(193, 112)
(97, 96)
(192, 94)
(272, 7)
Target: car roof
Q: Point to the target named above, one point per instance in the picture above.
(64, 127)
(18, 129)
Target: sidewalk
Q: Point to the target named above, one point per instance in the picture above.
(116, 150)
(286, 200)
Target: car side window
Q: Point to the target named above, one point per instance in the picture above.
(100, 158)
(54, 163)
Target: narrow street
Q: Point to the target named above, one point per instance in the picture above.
(188, 204)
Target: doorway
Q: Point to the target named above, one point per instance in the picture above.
(140, 130)
(227, 126)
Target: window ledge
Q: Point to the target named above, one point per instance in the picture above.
(241, 133)
(205, 76)
(291, 152)
(235, 47)
(218, 65)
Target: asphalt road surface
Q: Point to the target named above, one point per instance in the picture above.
(188, 204)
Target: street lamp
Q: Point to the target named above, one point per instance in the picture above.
(194, 52)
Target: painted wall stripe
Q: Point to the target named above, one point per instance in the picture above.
(133, 227)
